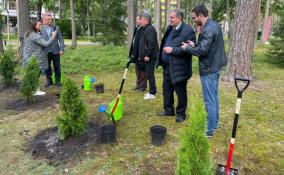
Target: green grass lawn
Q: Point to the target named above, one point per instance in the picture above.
(259, 147)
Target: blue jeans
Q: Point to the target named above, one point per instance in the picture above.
(211, 99)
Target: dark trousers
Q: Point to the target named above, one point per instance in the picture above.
(168, 93)
(141, 82)
(55, 58)
(150, 73)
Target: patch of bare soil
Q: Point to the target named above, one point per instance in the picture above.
(20, 104)
(10, 88)
(12, 100)
(47, 144)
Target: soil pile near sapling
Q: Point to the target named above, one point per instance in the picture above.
(20, 104)
(47, 144)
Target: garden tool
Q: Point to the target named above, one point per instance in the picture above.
(241, 85)
(114, 110)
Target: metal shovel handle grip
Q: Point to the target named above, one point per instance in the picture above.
(245, 80)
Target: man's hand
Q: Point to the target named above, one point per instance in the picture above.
(146, 59)
(168, 50)
(184, 45)
(61, 53)
(191, 43)
(54, 34)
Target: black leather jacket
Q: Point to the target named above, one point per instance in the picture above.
(210, 49)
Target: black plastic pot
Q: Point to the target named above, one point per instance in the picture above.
(221, 170)
(99, 88)
(108, 134)
(158, 134)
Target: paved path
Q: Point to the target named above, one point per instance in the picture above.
(68, 42)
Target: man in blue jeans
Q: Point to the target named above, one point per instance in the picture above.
(211, 52)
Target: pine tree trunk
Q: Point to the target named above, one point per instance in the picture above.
(73, 22)
(23, 18)
(60, 10)
(227, 17)
(264, 37)
(8, 20)
(243, 38)
(88, 20)
(168, 9)
(132, 12)
(178, 4)
(83, 15)
(94, 22)
(1, 42)
(210, 8)
(39, 8)
(157, 18)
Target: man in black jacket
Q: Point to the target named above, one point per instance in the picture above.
(141, 81)
(148, 50)
(211, 52)
(177, 65)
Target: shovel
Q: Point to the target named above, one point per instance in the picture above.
(241, 85)
(115, 107)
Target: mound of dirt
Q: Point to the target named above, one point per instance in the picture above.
(47, 144)
(41, 102)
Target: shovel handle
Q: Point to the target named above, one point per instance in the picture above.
(127, 64)
(245, 80)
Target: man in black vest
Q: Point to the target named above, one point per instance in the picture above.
(177, 65)
(141, 81)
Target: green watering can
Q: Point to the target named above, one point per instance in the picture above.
(118, 109)
(87, 83)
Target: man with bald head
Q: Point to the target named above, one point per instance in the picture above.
(54, 51)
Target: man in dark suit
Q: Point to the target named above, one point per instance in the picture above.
(148, 50)
(141, 81)
(177, 65)
(54, 51)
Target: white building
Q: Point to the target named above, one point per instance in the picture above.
(8, 8)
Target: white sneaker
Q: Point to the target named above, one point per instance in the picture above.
(146, 94)
(39, 93)
(149, 96)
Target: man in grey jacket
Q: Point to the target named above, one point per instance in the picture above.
(54, 51)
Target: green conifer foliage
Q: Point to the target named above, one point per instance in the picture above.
(7, 67)
(193, 156)
(277, 42)
(30, 81)
(72, 121)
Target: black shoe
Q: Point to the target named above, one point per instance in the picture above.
(180, 118)
(58, 85)
(48, 84)
(166, 113)
(140, 90)
(209, 135)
